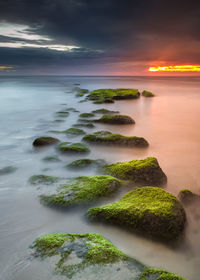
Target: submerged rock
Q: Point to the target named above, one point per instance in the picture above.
(86, 162)
(62, 114)
(148, 210)
(109, 95)
(91, 256)
(86, 115)
(115, 119)
(104, 111)
(88, 125)
(7, 170)
(51, 158)
(106, 137)
(45, 140)
(82, 190)
(81, 92)
(43, 179)
(187, 197)
(147, 93)
(73, 147)
(143, 171)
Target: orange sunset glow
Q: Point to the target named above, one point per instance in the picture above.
(176, 68)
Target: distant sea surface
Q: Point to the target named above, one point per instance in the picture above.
(170, 123)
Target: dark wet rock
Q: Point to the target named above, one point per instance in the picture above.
(143, 171)
(45, 140)
(62, 114)
(115, 119)
(91, 256)
(86, 115)
(148, 210)
(86, 162)
(7, 170)
(82, 190)
(106, 137)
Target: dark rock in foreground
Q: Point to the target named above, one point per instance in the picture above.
(147, 210)
(143, 171)
(91, 256)
(115, 119)
(106, 137)
(82, 190)
(45, 140)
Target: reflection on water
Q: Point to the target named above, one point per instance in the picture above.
(170, 123)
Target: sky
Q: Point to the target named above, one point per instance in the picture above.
(98, 37)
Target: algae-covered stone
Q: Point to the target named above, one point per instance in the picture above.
(82, 190)
(104, 111)
(106, 137)
(51, 158)
(88, 125)
(43, 179)
(45, 140)
(75, 131)
(109, 95)
(71, 109)
(73, 147)
(81, 92)
(147, 93)
(143, 171)
(186, 196)
(62, 114)
(148, 210)
(115, 119)
(86, 115)
(91, 256)
(85, 162)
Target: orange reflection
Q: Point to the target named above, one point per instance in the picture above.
(176, 68)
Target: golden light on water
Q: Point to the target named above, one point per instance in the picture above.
(176, 68)
(5, 67)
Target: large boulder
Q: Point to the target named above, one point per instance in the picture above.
(148, 210)
(45, 140)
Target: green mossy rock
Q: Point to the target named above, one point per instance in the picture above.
(147, 93)
(75, 131)
(106, 137)
(187, 197)
(86, 162)
(115, 119)
(81, 92)
(88, 125)
(45, 140)
(104, 111)
(143, 171)
(148, 210)
(43, 179)
(109, 95)
(94, 257)
(86, 115)
(62, 114)
(73, 147)
(82, 190)
(51, 159)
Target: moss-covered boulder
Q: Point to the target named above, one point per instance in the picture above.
(43, 179)
(115, 119)
(106, 137)
(187, 197)
(73, 147)
(143, 171)
(148, 210)
(109, 95)
(147, 93)
(85, 162)
(88, 125)
(45, 140)
(86, 115)
(51, 159)
(104, 111)
(82, 190)
(91, 256)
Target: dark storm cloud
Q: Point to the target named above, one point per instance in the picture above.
(137, 30)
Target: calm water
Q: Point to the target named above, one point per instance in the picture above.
(170, 122)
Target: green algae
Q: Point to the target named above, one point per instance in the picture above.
(86, 115)
(82, 190)
(72, 131)
(85, 162)
(158, 274)
(88, 125)
(62, 114)
(81, 92)
(115, 119)
(51, 158)
(144, 171)
(147, 210)
(73, 147)
(109, 95)
(106, 137)
(43, 179)
(45, 140)
(104, 111)
(147, 93)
